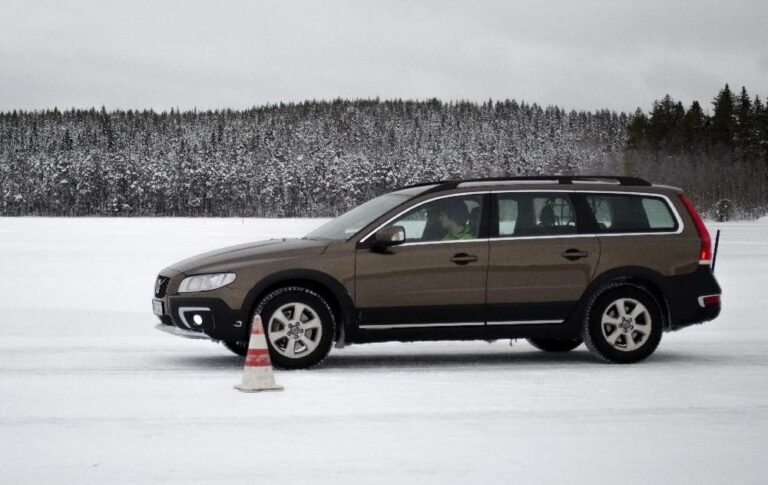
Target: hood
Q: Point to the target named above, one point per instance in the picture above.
(234, 257)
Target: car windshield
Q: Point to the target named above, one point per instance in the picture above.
(349, 223)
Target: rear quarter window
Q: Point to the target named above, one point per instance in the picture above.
(622, 213)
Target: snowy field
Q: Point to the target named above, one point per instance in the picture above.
(90, 392)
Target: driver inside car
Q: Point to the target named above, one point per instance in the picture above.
(454, 219)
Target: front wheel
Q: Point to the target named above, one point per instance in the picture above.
(299, 326)
(623, 324)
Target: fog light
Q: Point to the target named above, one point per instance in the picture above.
(196, 318)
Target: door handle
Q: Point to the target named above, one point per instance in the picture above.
(574, 254)
(463, 258)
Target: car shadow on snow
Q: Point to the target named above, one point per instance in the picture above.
(448, 359)
(212, 362)
(338, 359)
(462, 360)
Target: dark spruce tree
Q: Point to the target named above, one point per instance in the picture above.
(723, 120)
(693, 130)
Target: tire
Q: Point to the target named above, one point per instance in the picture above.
(555, 344)
(299, 326)
(237, 347)
(623, 324)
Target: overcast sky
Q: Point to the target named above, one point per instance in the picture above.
(215, 54)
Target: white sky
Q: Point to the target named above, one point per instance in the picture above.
(581, 54)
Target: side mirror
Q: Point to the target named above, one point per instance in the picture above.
(388, 236)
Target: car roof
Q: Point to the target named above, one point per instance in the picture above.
(577, 182)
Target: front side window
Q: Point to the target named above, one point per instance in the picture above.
(445, 219)
(527, 214)
(626, 213)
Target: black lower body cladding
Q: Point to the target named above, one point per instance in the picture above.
(684, 293)
(210, 316)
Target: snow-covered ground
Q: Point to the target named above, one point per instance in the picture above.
(90, 392)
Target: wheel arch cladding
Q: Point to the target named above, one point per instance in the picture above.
(321, 283)
(651, 281)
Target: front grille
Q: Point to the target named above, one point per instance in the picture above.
(161, 286)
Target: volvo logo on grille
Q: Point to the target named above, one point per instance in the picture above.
(160, 286)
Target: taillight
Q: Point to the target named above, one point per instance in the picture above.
(705, 255)
(709, 300)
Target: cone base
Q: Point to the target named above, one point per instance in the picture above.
(242, 388)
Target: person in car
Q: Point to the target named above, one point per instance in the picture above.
(454, 219)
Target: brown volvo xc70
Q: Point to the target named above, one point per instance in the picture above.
(610, 261)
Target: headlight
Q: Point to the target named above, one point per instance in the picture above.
(206, 282)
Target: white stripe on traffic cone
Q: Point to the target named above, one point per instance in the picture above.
(257, 374)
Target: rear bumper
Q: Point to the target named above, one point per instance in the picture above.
(206, 317)
(685, 296)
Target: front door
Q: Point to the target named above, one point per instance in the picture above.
(436, 278)
(539, 264)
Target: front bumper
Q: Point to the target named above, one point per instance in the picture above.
(208, 317)
(181, 333)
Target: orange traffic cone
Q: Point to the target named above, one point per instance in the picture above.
(257, 374)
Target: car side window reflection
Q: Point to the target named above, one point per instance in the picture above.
(446, 219)
(535, 214)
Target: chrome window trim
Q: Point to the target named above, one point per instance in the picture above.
(670, 206)
(449, 241)
(420, 325)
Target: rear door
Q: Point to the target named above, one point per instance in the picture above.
(540, 261)
(437, 277)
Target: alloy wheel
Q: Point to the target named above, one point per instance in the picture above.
(626, 324)
(294, 330)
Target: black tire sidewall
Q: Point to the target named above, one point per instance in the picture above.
(593, 334)
(280, 297)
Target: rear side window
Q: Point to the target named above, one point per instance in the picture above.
(620, 213)
(535, 214)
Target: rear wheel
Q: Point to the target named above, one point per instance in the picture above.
(299, 326)
(555, 344)
(623, 324)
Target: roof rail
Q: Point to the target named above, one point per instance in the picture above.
(423, 184)
(560, 179)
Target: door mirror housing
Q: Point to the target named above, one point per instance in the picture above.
(388, 236)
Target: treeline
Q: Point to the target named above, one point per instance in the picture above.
(720, 159)
(306, 159)
(321, 158)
